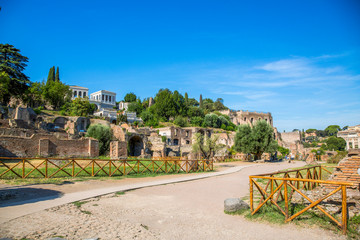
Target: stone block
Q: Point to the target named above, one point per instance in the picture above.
(234, 204)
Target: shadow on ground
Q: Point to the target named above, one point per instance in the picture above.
(19, 196)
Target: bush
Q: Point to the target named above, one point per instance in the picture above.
(103, 134)
(38, 110)
(181, 121)
(163, 138)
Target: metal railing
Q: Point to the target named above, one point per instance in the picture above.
(71, 167)
(274, 189)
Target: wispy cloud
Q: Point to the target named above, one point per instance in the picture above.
(305, 87)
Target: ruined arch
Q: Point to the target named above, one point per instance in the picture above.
(135, 146)
(113, 121)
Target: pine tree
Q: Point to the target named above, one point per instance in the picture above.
(13, 82)
(57, 76)
(201, 101)
(51, 76)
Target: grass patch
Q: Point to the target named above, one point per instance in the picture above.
(270, 214)
(120, 193)
(144, 226)
(86, 212)
(79, 203)
(145, 169)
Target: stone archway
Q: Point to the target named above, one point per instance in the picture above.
(135, 146)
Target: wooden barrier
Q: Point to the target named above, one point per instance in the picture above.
(71, 167)
(282, 189)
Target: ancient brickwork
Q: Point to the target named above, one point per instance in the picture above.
(347, 171)
(247, 117)
(47, 145)
(118, 149)
(118, 132)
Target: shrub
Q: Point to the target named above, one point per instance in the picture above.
(103, 134)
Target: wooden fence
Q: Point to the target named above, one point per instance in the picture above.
(65, 167)
(274, 189)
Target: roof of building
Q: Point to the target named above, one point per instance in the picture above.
(74, 86)
(103, 91)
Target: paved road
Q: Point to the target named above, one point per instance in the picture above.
(37, 204)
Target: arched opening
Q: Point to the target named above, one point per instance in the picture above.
(251, 120)
(113, 121)
(135, 146)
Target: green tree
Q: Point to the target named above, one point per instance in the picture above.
(256, 140)
(186, 99)
(332, 130)
(335, 144)
(103, 134)
(283, 151)
(12, 79)
(51, 75)
(57, 76)
(181, 121)
(130, 97)
(196, 121)
(33, 96)
(56, 93)
(212, 120)
(149, 119)
(201, 101)
(207, 146)
(311, 130)
(135, 107)
(81, 107)
(121, 118)
(165, 106)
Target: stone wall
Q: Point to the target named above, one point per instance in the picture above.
(47, 145)
(247, 117)
(291, 137)
(118, 132)
(118, 149)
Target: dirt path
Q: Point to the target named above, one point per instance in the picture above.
(189, 210)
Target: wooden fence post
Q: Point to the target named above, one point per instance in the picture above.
(344, 209)
(286, 200)
(251, 195)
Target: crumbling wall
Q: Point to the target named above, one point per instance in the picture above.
(47, 145)
(118, 149)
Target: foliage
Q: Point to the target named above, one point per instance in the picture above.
(57, 76)
(13, 82)
(135, 107)
(33, 96)
(337, 158)
(196, 121)
(181, 121)
(79, 107)
(256, 140)
(56, 93)
(318, 151)
(149, 119)
(163, 138)
(283, 151)
(165, 106)
(130, 97)
(51, 75)
(121, 118)
(103, 134)
(207, 146)
(335, 143)
(310, 130)
(332, 130)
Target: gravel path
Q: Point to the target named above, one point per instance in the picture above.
(189, 210)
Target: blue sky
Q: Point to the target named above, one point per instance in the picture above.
(299, 60)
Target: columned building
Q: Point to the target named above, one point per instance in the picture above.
(103, 99)
(78, 91)
(351, 136)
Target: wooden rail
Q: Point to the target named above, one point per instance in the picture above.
(71, 167)
(275, 189)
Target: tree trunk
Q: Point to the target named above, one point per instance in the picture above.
(258, 156)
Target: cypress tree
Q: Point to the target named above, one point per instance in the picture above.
(51, 76)
(57, 76)
(201, 102)
(186, 98)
